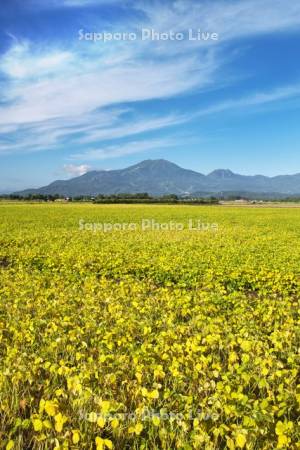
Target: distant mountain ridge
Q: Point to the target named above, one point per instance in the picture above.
(162, 177)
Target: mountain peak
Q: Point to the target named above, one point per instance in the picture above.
(222, 173)
(161, 177)
(156, 163)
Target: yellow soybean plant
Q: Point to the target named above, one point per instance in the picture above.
(162, 338)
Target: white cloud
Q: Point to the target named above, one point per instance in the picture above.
(51, 92)
(74, 94)
(75, 171)
(255, 99)
(114, 124)
(230, 18)
(128, 148)
(70, 3)
(132, 128)
(19, 62)
(49, 134)
(104, 125)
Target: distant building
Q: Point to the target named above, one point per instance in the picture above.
(63, 200)
(241, 201)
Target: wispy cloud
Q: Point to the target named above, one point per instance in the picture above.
(75, 171)
(105, 125)
(69, 84)
(133, 128)
(50, 134)
(20, 62)
(230, 18)
(71, 3)
(67, 92)
(125, 149)
(255, 99)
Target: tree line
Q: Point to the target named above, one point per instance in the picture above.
(142, 197)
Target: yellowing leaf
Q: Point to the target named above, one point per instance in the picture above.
(138, 428)
(114, 423)
(41, 406)
(75, 436)
(144, 392)
(138, 377)
(240, 440)
(101, 422)
(156, 421)
(37, 424)
(246, 346)
(51, 408)
(154, 394)
(280, 428)
(92, 417)
(105, 406)
(60, 420)
(232, 357)
(10, 445)
(282, 441)
(101, 444)
(47, 424)
(59, 392)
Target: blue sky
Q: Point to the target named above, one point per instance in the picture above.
(69, 105)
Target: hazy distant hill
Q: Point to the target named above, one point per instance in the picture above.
(159, 177)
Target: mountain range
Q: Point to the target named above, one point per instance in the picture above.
(161, 177)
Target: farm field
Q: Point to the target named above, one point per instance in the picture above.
(149, 339)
